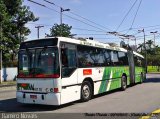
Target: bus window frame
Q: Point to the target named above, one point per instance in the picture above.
(61, 65)
(35, 48)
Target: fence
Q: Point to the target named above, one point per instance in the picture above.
(8, 74)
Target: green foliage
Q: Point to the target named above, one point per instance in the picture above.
(153, 68)
(61, 30)
(10, 64)
(13, 17)
(153, 53)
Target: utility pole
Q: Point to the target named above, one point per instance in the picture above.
(1, 18)
(61, 10)
(38, 27)
(1, 52)
(144, 48)
(154, 37)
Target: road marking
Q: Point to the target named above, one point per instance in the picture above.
(156, 111)
(151, 115)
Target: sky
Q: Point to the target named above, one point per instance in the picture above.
(101, 16)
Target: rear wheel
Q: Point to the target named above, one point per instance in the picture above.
(123, 83)
(86, 91)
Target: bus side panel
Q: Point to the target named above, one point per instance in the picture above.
(95, 74)
(69, 94)
(138, 71)
(117, 73)
(70, 89)
(112, 78)
(105, 79)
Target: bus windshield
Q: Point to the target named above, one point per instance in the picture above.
(39, 63)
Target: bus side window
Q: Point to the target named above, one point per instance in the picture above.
(114, 58)
(123, 59)
(64, 57)
(107, 57)
(68, 60)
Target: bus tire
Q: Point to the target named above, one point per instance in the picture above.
(86, 91)
(123, 83)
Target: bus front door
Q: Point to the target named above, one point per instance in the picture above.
(69, 74)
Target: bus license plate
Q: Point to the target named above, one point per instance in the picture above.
(33, 96)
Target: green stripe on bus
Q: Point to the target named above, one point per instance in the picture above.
(115, 72)
(106, 75)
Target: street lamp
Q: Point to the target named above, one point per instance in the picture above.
(139, 31)
(61, 11)
(154, 37)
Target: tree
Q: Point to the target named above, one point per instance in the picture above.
(153, 53)
(15, 16)
(61, 30)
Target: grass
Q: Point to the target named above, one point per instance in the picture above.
(153, 69)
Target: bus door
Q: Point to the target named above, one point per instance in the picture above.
(131, 67)
(69, 73)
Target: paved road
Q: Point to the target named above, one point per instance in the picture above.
(139, 98)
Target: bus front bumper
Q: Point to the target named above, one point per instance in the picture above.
(38, 98)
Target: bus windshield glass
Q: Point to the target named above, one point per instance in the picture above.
(39, 63)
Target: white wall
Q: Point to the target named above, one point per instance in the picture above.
(8, 73)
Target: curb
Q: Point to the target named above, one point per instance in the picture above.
(153, 115)
(154, 73)
(1, 86)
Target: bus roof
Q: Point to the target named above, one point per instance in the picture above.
(87, 42)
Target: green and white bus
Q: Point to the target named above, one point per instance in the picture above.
(59, 70)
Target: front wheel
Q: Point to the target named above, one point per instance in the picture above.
(86, 91)
(123, 83)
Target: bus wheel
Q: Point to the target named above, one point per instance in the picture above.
(123, 83)
(86, 91)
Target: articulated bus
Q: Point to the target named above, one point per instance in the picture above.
(59, 70)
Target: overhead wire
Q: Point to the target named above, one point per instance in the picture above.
(73, 13)
(142, 27)
(91, 34)
(134, 17)
(72, 28)
(147, 30)
(89, 20)
(126, 15)
(100, 29)
(67, 16)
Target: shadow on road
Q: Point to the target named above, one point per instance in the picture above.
(11, 105)
(152, 80)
